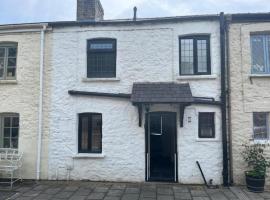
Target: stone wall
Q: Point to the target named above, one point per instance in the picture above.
(248, 94)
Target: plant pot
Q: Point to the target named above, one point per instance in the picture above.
(255, 184)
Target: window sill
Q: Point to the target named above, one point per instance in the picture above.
(88, 155)
(259, 75)
(8, 82)
(207, 140)
(100, 79)
(259, 141)
(197, 77)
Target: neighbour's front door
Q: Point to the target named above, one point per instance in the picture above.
(161, 148)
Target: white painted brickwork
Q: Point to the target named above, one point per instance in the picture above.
(247, 95)
(144, 53)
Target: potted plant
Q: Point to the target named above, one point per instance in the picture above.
(257, 163)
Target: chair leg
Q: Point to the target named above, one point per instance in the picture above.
(11, 180)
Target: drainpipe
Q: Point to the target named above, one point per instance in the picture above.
(40, 109)
(224, 100)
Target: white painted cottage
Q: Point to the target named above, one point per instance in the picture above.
(135, 100)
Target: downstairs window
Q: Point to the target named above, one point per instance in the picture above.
(207, 125)
(9, 130)
(90, 133)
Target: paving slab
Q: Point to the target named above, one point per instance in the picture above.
(76, 190)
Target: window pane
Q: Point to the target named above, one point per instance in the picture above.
(96, 132)
(187, 63)
(2, 52)
(155, 125)
(101, 46)
(260, 125)
(202, 55)
(15, 121)
(15, 132)
(1, 72)
(1, 62)
(206, 125)
(12, 62)
(85, 132)
(258, 58)
(11, 72)
(14, 143)
(6, 132)
(12, 52)
(6, 143)
(7, 122)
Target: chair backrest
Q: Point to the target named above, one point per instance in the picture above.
(12, 155)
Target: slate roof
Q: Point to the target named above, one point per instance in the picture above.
(161, 93)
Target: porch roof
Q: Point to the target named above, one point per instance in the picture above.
(158, 92)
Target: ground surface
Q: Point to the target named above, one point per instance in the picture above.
(126, 191)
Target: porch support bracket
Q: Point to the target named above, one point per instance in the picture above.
(182, 107)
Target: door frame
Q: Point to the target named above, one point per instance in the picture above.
(146, 127)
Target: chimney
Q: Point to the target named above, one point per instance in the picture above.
(89, 10)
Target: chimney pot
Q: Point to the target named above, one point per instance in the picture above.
(89, 10)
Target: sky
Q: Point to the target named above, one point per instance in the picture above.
(24, 11)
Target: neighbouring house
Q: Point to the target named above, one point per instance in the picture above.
(135, 100)
(249, 94)
(22, 48)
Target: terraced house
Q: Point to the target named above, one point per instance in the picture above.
(249, 70)
(22, 50)
(135, 100)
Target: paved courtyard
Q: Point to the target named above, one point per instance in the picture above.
(126, 191)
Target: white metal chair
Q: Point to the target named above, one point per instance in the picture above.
(10, 166)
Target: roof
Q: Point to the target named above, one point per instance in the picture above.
(138, 21)
(249, 17)
(161, 93)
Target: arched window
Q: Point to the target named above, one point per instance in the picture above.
(9, 130)
(90, 133)
(8, 60)
(101, 58)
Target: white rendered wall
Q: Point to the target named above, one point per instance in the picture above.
(145, 53)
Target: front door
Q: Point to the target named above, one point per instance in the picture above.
(161, 154)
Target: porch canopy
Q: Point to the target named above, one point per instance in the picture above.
(161, 93)
(147, 93)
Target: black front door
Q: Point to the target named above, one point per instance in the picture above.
(161, 147)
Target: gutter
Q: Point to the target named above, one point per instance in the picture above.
(40, 109)
(20, 28)
(223, 97)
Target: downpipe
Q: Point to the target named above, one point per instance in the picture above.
(40, 109)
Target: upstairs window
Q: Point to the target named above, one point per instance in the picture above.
(206, 125)
(195, 55)
(260, 125)
(8, 61)
(9, 130)
(260, 54)
(90, 133)
(101, 58)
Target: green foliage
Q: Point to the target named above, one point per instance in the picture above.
(256, 159)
